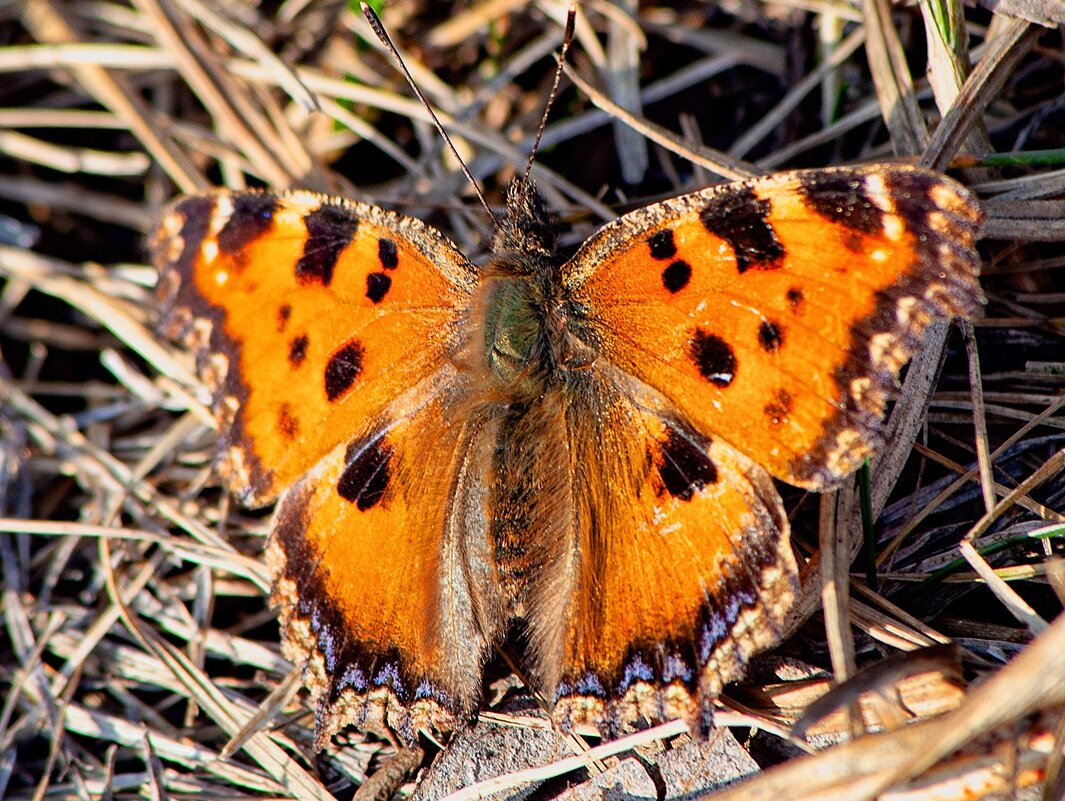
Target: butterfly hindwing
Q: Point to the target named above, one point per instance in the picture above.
(776, 313)
(682, 565)
(310, 313)
(372, 552)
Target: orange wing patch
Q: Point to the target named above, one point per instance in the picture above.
(312, 316)
(777, 313)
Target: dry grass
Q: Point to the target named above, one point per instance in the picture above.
(138, 641)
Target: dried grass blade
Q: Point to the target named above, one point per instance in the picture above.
(713, 160)
(980, 88)
(761, 129)
(983, 450)
(948, 60)
(622, 74)
(871, 766)
(225, 710)
(891, 77)
(235, 117)
(113, 92)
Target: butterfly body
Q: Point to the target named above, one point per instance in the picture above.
(581, 448)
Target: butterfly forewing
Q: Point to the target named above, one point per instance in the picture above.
(776, 313)
(312, 314)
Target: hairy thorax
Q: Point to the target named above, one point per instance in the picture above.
(530, 341)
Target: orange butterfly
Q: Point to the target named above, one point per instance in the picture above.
(583, 449)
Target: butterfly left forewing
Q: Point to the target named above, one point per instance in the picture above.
(309, 315)
(776, 313)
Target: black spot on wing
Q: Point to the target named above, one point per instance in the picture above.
(377, 286)
(840, 196)
(330, 229)
(778, 409)
(676, 276)
(283, 315)
(855, 243)
(713, 357)
(387, 253)
(770, 337)
(795, 298)
(741, 218)
(297, 350)
(367, 474)
(343, 368)
(684, 467)
(253, 216)
(662, 245)
(287, 423)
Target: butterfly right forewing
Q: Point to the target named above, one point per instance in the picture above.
(776, 313)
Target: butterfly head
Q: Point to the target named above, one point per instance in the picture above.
(523, 232)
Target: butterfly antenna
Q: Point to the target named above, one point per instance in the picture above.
(382, 34)
(567, 37)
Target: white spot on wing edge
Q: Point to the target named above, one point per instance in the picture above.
(946, 196)
(894, 227)
(169, 235)
(223, 210)
(886, 351)
(877, 192)
(904, 309)
(940, 223)
(209, 252)
(848, 451)
(880, 196)
(859, 387)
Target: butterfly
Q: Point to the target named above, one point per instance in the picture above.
(574, 453)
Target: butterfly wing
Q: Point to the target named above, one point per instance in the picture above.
(372, 550)
(679, 569)
(776, 313)
(326, 330)
(744, 331)
(308, 313)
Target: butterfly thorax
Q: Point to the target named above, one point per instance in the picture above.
(524, 312)
(514, 343)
